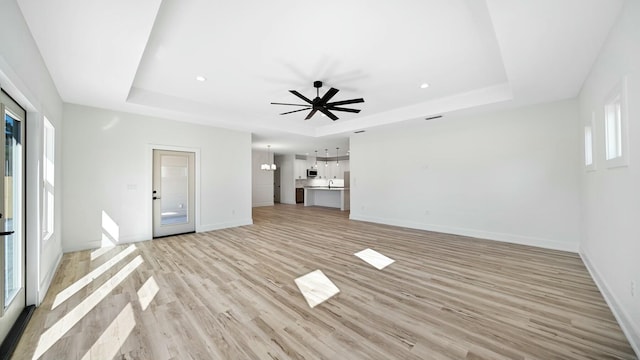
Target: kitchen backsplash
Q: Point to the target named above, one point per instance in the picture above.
(319, 182)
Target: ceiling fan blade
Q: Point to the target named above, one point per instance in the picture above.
(345, 102)
(334, 108)
(300, 96)
(328, 113)
(313, 112)
(290, 104)
(289, 112)
(328, 95)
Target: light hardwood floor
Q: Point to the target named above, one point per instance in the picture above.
(230, 294)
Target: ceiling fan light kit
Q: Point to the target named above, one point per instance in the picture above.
(321, 104)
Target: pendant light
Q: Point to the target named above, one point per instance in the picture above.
(315, 165)
(326, 156)
(266, 165)
(337, 160)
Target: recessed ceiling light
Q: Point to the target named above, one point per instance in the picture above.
(201, 78)
(424, 86)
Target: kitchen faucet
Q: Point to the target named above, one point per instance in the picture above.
(330, 182)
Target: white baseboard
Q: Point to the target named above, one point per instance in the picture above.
(509, 238)
(89, 245)
(46, 282)
(624, 320)
(224, 225)
(96, 244)
(265, 203)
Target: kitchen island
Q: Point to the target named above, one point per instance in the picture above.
(336, 197)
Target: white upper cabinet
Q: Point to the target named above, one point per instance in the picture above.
(300, 169)
(331, 171)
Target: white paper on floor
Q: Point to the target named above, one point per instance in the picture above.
(374, 258)
(316, 287)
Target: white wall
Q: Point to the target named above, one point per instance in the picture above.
(509, 176)
(25, 77)
(108, 169)
(261, 181)
(610, 242)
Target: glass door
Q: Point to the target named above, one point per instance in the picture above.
(12, 246)
(173, 192)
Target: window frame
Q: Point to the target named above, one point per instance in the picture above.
(589, 144)
(615, 121)
(48, 179)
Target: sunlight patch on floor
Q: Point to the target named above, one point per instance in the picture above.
(374, 258)
(109, 343)
(147, 292)
(316, 287)
(87, 279)
(101, 251)
(57, 331)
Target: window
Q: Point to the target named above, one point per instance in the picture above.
(588, 146)
(589, 156)
(48, 174)
(615, 126)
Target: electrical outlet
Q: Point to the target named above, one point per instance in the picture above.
(633, 288)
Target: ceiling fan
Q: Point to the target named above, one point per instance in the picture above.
(322, 104)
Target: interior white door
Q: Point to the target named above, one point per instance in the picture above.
(173, 192)
(12, 246)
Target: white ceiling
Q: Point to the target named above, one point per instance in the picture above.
(143, 57)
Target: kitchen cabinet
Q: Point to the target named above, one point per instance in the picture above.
(335, 197)
(311, 161)
(344, 165)
(322, 170)
(300, 169)
(331, 171)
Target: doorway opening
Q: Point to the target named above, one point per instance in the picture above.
(276, 185)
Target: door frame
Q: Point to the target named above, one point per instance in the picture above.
(149, 190)
(13, 86)
(11, 339)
